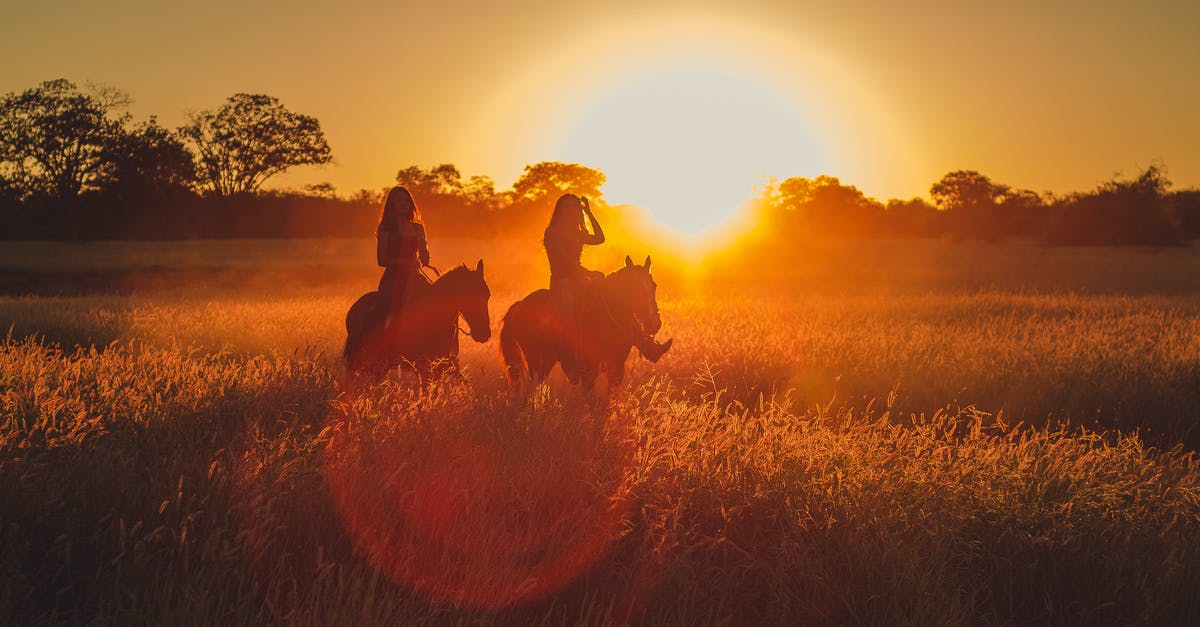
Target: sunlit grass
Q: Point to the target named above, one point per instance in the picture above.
(158, 484)
(806, 455)
(1100, 360)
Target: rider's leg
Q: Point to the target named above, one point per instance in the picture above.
(397, 292)
(387, 284)
(562, 291)
(582, 286)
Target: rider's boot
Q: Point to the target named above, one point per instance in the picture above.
(652, 349)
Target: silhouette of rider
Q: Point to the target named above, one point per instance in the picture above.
(401, 248)
(564, 240)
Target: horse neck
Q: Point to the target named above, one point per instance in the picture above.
(605, 314)
(446, 293)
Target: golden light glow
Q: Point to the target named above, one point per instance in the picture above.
(689, 144)
(902, 93)
(687, 114)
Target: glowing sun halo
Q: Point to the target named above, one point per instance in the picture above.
(690, 144)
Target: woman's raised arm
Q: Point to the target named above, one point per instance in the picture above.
(597, 234)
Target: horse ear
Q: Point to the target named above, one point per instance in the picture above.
(628, 262)
(647, 263)
(479, 266)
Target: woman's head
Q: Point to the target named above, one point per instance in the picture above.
(399, 207)
(568, 213)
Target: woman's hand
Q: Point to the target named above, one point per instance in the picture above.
(597, 235)
(587, 209)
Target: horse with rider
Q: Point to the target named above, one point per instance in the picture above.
(586, 321)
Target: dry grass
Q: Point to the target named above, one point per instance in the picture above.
(822, 454)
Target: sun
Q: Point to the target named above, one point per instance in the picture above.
(691, 143)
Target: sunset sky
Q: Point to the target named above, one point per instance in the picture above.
(671, 98)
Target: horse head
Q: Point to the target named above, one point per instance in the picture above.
(470, 292)
(636, 295)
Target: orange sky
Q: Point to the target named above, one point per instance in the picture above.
(886, 95)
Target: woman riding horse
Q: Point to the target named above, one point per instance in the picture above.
(619, 311)
(427, 341)
(564, 240)
(428, 337)
(401, 249)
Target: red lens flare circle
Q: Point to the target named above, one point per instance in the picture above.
(474, 522)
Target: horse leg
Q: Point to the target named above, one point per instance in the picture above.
(540, 367)
(616, 374)
(526, 366)
(358, 353)
(587, 374)
(572, 371)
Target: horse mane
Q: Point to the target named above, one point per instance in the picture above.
(455, 279)
(608, 289)
(453, 273)
(617, 274)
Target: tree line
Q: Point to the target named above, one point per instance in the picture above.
(1142, 210)
(74, 166)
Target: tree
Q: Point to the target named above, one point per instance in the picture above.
(967, 190)
(1187, 209)
(912, 218)
(324, 189)
(251, 138)
(53, 138)
(1135, 211)
(824, 206)
(978, 207)
(1022, 212)
(481, 191)
(442, 180)
(550, 179)
(147, 164)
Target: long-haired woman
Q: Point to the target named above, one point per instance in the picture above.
(400, 248)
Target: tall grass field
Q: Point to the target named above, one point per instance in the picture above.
(900, 433)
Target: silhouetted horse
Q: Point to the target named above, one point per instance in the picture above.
(425, 335)
(613, 312)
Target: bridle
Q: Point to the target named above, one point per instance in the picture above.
(437, 274)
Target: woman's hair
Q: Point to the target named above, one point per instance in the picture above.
(568, 213)
(398, 204)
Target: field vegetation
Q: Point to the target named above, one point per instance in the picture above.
(906, 433)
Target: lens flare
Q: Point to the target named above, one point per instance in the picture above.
(488, 522)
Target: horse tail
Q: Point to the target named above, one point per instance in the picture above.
(357, 323)
(515, 366)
